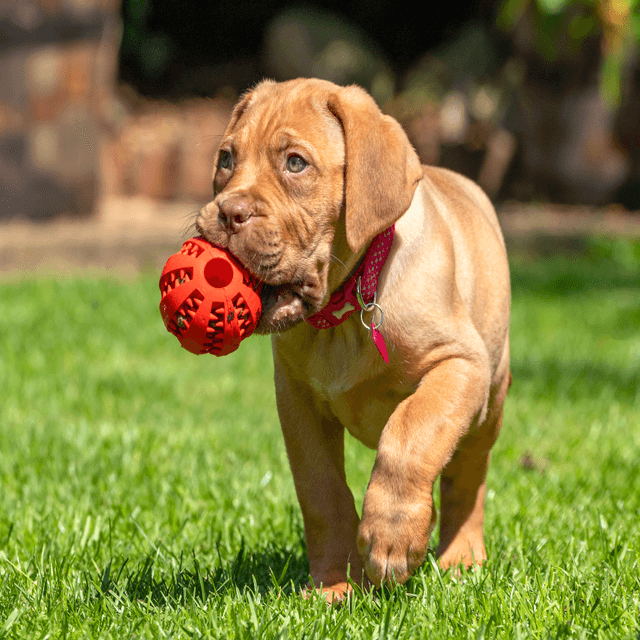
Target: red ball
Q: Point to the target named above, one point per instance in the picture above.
(210, 302)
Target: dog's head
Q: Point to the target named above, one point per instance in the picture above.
(307, 173)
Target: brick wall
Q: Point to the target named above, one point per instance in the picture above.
(57, 73)
(165, 151)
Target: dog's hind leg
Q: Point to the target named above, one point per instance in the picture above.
(462, 490)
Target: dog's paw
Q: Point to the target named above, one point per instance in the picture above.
(335, 594)
(393, 545)
(465, 551)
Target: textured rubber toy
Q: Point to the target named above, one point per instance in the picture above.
(210, 302)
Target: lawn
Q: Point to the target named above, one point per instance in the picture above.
(145, 492)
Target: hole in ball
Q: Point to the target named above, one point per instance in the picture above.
(218, 272)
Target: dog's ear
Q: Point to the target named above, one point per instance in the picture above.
(245, 101)
(382, 168)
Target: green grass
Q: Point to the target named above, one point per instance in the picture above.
(145, 492)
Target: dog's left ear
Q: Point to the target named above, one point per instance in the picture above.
(382, 168)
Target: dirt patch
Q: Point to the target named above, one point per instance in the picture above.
(127, 236)
(124, 237)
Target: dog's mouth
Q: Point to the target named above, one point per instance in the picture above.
(284, 304)
(282, 307)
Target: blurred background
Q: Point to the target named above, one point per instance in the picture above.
(111, 110)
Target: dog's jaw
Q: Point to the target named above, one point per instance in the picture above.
(282, 308)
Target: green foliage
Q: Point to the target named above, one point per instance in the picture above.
(151, 49)
(146, 491)
(560, 22)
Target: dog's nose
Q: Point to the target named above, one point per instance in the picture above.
(234, 211)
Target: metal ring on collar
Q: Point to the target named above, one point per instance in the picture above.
(368, 306)
(372, 306)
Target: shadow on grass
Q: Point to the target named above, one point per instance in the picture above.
(564, 275)
(554, 266)
(280, 569)
(577, 380)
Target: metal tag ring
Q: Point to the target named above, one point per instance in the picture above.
(372, 306)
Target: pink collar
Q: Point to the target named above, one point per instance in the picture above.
(344, 300)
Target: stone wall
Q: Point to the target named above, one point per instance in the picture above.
(164, 151)
(57, 76)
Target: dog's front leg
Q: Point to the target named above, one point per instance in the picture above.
(315, 446)
(416, 444)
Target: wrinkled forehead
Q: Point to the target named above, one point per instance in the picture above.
(275, 112)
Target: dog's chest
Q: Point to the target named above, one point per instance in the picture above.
(349, 377)
(364, 410)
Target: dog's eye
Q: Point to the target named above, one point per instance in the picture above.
(224, 159)
(296, 164)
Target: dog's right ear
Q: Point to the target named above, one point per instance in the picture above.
(245, 101)
(240, 107)
(382, 168)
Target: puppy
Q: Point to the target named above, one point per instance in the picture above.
(387, 296)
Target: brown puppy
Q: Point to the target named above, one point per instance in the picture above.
(307, 174)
